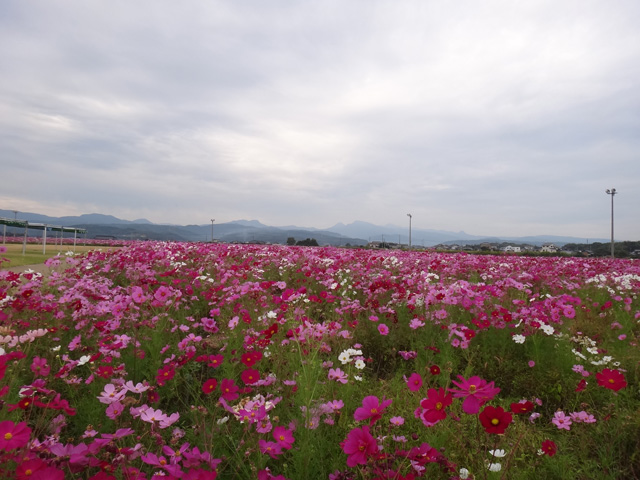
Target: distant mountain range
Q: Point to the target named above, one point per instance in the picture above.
(357, 233)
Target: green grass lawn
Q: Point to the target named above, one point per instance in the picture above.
(33, 254)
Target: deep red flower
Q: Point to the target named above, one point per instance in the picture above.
(495, 419)
(209, 386)
(105, 371)
(611, 379)
(582, 384)
(522, 407)
(251, 358)
(165, 374)
(435, 404)
(250, 376)
(434, 369)
(229, 389)
(549, 448)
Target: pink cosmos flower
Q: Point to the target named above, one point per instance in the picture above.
(270, 448)
(114, 410)
(383, 329)
(162, 294)
(283, 436)
(561, 421)
(111, 394)
(371, 409)
(137, 295)
(414, 382)
(475, 391)
(397, 421)
(337, 375)
(359, 445)
(137, 388)
(169, 420)
(13, 435)
(151, 415)
(39, 367)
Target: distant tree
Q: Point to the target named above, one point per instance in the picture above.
(309, 242)
(291, 241)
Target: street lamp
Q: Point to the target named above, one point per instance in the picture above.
(212, 220)
(611, 192)
(410, 216)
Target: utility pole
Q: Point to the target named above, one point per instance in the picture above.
(410, 217)
(212, 220)
(612, 192)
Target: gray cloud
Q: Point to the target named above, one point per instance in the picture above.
(495, 118)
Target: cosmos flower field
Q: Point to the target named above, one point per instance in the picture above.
(202, 361)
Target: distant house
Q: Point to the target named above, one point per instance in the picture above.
(512, 249)
(549, 247)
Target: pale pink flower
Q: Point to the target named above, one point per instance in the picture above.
(561, 421)
(111, 394)
(338, 375)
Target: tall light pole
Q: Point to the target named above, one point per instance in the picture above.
(212, 220)
(611, 192)
(410, 217)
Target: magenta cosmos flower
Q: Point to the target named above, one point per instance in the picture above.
(283, 437)
(371, 409)
(435, 404)
(611, 379)
(13, 435)
(475, 391)
(359, 445)
(414, 382)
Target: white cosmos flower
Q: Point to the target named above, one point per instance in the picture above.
(359, 364)
(518, 338)
(84, 359)
(344, 357)
(497, 453)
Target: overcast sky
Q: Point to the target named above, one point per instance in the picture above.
(492, 117)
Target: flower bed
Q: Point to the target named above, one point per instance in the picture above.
(198, 361)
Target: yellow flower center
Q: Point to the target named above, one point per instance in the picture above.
(472, 388)
(495, 421)
(8, 436)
